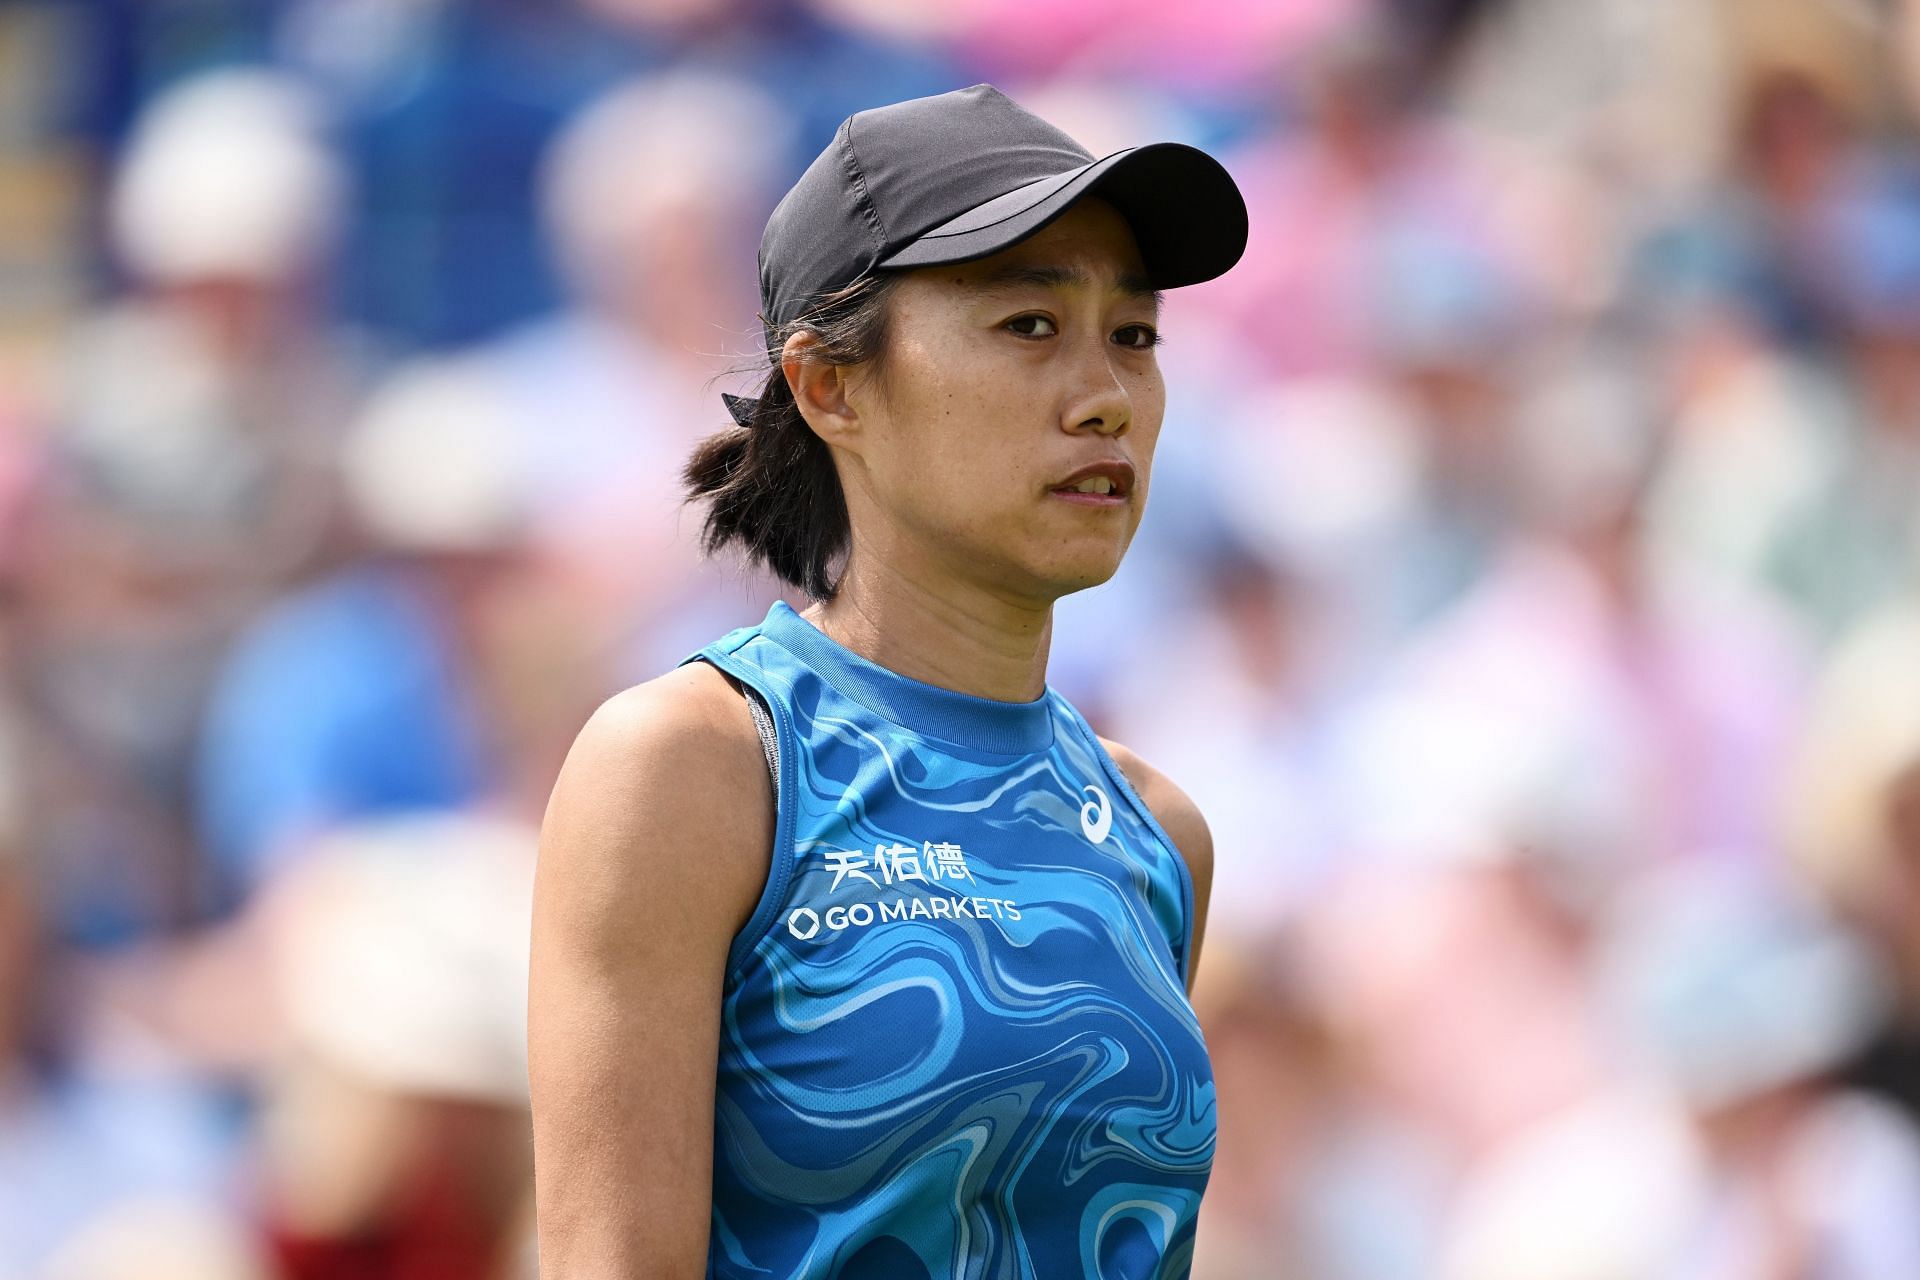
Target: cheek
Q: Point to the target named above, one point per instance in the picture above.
(953, 384)
(964, 481)
(1149, 408)
(1144, 437)
(960, 437)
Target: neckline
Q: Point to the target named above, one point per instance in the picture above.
(985, 724)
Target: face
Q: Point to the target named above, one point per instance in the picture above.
(1003, 376)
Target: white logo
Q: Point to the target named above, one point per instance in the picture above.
(938, 865)
(897, 862)
(1096, 815)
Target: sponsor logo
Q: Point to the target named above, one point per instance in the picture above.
(1096, 815)
(892, 866)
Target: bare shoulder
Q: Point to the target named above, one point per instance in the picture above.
(1173, 808)
(673, 763)
(689, 727)
(696, 703)
(695, 707)
(653, 853)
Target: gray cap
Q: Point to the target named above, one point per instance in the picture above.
(963, 174)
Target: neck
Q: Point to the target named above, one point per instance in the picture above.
(961, 636)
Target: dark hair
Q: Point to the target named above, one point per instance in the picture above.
(771, 486)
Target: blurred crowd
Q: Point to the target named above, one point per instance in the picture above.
(1529, 595)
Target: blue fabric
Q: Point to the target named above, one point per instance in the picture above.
(343, 700)
(955, 1035)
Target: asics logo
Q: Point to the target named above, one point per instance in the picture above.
(1096, 815)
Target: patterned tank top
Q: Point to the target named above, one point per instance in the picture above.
(955, 1038)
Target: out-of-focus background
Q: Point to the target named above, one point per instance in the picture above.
(1527, 595)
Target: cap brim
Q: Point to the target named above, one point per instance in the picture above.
(1187, 214)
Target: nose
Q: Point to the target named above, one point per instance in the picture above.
(1101, 401)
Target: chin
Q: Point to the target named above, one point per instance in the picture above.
(1066, 576)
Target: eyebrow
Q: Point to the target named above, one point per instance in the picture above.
(1131, 283)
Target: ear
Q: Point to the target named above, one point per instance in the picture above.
(820, 391)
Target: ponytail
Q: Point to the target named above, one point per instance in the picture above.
(771, 485)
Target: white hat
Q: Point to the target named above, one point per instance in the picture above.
(227, 174)
(402, 953)
(433, 464)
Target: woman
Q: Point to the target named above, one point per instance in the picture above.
(856, 953)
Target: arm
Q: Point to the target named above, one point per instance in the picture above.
(653, 853)
(1175, 810)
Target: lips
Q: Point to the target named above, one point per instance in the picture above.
(1118, 472)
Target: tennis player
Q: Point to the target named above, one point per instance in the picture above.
(856, 952)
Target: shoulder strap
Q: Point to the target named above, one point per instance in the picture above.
(762, 717)
(769, 740)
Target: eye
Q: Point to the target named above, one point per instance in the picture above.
(1018, 320)
(1145, 337)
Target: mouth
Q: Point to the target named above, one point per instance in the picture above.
(1100, 484)
(1080, 499)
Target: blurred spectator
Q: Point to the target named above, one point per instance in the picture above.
(203, 409)
(1854, 825)
(1459, 990)
(1855, 545)
(1753, 448)
(1577, 698)
(395, 682)
(1312, 1177)
(395, 1143)
(649, 195)
(95, 1115)
(1247, 734)
(448, 108)
(1387, 389)
(1366, 180)
(1641, 84)
(1727, 1153)
(187, 477)
(1767, 234)
(1794, 396)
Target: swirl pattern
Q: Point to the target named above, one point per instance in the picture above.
(955, 1037)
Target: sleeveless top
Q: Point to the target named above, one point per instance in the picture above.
(955, 1038)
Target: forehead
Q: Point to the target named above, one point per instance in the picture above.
(1090, 246)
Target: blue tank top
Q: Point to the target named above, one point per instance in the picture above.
(955, 1038)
